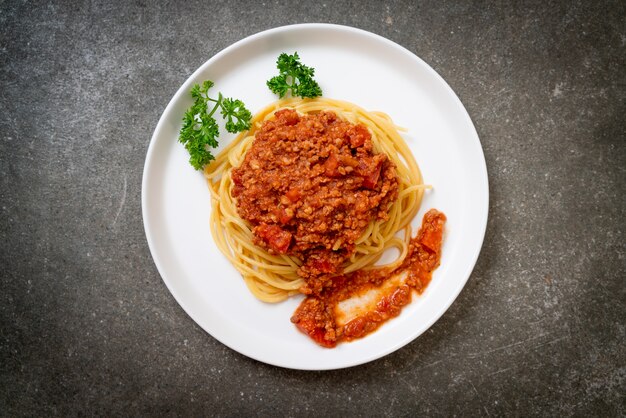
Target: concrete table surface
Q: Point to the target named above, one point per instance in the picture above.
(87, 326)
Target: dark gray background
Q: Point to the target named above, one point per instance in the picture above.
(88, 327)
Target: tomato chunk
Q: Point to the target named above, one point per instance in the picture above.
(274, 236)
(358, 135)
(293, 194)
(284, 215)
(331, 165)
(369, 170)
(432, 239)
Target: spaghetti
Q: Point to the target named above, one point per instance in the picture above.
(273, 276)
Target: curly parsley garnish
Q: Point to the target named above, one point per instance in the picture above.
(294, 76)
(200, 129)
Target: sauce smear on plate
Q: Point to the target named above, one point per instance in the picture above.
(354, 305)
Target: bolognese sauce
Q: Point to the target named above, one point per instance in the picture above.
(309, 185)
(381, 293)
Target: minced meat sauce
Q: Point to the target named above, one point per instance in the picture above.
(321, 317)
(310, 185)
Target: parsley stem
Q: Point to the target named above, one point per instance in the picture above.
(218, 102)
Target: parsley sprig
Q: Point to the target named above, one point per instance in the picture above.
(294, 76)
(200, 129)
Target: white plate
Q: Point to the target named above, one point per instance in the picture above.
(351, 65)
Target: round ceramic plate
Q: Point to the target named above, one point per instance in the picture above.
(351, 65)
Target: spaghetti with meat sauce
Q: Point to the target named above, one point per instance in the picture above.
(309, 199)
(310, 185)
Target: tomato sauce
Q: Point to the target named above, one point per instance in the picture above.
(321, 317)
(310, 185)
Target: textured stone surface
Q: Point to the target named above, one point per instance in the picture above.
(88, 327)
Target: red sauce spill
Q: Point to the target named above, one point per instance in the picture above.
(317, 314)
